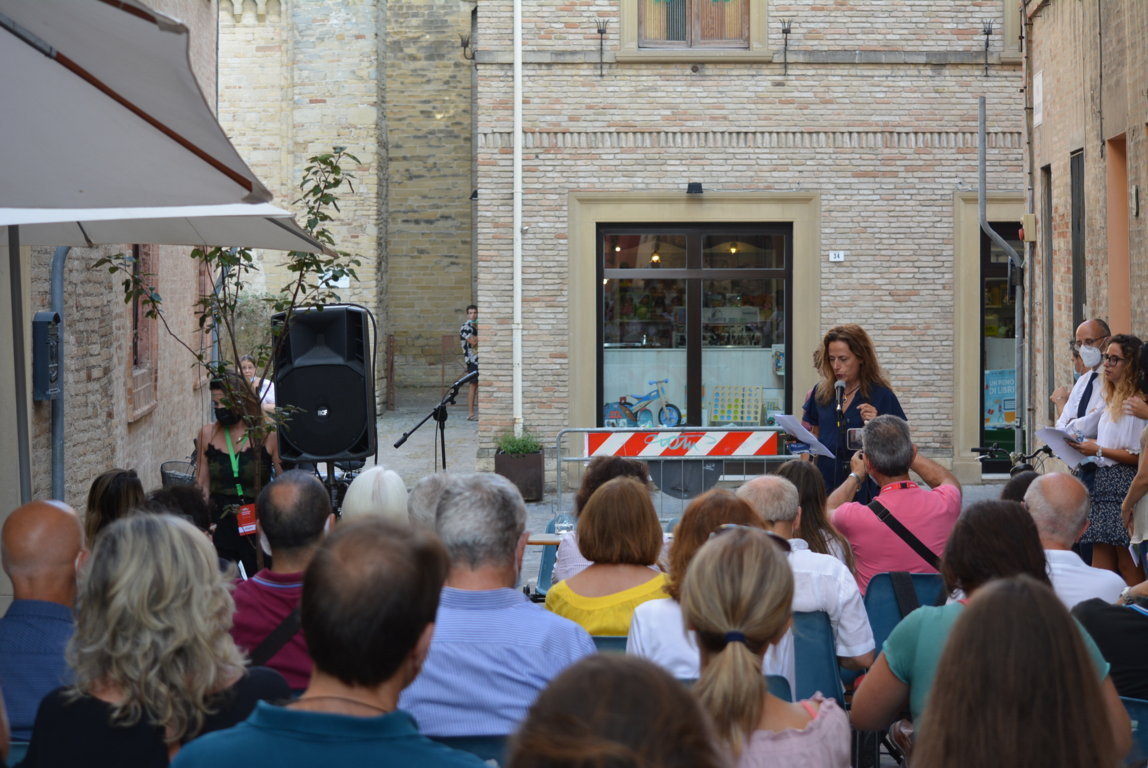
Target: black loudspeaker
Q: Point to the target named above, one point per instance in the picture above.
(325, 384)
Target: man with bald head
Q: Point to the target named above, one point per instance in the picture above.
(1085, 397)
(1058, 504)
(292, 514)
(41, 546)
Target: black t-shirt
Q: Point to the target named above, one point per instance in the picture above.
(1121, 634)
(80, 733)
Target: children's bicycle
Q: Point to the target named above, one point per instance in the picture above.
(639, 412)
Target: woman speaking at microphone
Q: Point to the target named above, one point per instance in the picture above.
(852, 391)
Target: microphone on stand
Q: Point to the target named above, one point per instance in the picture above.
(839, 386)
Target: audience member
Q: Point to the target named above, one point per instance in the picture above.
(1058, 504)
(151, 658)
(815, 528)
(42, 547)
(991, 540)
(493, 650)
(1017, 485)
(376, 491)
(820, 582)
(997, 678)
(369, 599)
(619, 532)
(656, 631)
(114, 494)
(736, 596)
(184, 501)
(569, 560)
(1121, 634)
(422, 502)
(293, 512)
(928, 515)
(613, 710)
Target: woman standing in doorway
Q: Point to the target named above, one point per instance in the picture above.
(852, 391)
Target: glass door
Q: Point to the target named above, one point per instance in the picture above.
(998, 346)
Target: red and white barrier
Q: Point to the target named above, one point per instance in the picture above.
(657, 444)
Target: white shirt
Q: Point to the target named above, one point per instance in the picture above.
(1124, 433)
(569, 561)
(1074, 581)
(1095, 401)
(820, 583)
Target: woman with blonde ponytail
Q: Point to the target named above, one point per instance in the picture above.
(737, 597)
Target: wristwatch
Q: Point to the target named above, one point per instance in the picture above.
(1128, 598)
(860, 480)
(1099, 451)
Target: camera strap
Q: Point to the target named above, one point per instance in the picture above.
(886, 517)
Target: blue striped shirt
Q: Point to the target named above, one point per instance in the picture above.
(492, 652)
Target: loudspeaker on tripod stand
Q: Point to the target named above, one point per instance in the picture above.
(324, 377)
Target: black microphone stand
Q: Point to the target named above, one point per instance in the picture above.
(439, 414)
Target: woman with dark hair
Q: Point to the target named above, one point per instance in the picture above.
(848, 357)
(993, 664)
(1015, 488)
(816, 528)
(620, 533)
(991, 540)
(617, 711)
(230, 472)
(568, 560)
(1115, 451)
(656, 631)
(114, 494)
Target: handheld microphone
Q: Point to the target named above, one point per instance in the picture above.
(839, 385)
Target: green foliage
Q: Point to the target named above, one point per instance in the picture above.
(518, 445)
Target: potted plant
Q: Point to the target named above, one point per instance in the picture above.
(520, 459)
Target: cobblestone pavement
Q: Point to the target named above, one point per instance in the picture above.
(416, 458)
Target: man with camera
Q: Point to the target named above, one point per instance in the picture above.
(906, 526)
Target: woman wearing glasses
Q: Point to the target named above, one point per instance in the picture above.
(1116, 451)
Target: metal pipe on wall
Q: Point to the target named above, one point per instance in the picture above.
(59, 260)
(516, 320)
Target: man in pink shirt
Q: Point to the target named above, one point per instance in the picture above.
(887, 455)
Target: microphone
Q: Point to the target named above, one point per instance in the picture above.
(465, 380)
(839, 385)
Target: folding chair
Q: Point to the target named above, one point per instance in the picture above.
(815, 656)
(610, 643)
(1138, 714)
(883, 608)
(546, 567)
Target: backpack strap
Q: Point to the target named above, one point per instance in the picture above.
(278, 638)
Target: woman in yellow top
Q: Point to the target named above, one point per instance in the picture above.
(618, 531)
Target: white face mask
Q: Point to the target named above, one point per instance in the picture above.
(1090, 356)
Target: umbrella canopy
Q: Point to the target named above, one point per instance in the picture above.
(256, 226)
(100, 108)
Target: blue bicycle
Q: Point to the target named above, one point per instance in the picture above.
(639, 410)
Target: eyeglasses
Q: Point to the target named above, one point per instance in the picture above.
(1074, 344)
(1112, 359)
(780, 541)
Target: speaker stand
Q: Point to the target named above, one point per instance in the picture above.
(439, 414)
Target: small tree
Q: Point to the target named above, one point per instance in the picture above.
(229, 306)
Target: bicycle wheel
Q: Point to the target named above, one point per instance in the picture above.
(670, 415)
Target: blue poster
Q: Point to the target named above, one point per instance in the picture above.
(1000, 398)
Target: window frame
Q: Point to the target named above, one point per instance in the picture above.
(757, 50)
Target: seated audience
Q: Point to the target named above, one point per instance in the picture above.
(736, 596)
(292, 513)
(991, 540)
(1006, 695)
(369, 599)
(376, 491)
(814, 528)
(613, 710)
(1017, 485)
(887, 456)
(1058, 504)
(656, 631)
(422, 502)
(820, 582)
(42, 546)
(619, 532)
(1121, 634)
(114, 494)
(569, 560)
(153, 664)
(493, 650)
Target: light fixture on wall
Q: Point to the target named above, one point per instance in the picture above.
(693, 188)
(467, 51)
(601, 25)
(987, 31)
(786, 28)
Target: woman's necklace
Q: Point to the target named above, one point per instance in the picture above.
(356, 702)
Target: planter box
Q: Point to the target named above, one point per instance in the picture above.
(527, 471)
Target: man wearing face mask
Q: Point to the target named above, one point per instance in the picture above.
(293, 515)
(1085, 397)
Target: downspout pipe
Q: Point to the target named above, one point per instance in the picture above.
(516, 247)
(59, 260)
(1015, 262)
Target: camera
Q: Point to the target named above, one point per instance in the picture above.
(853, 439)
